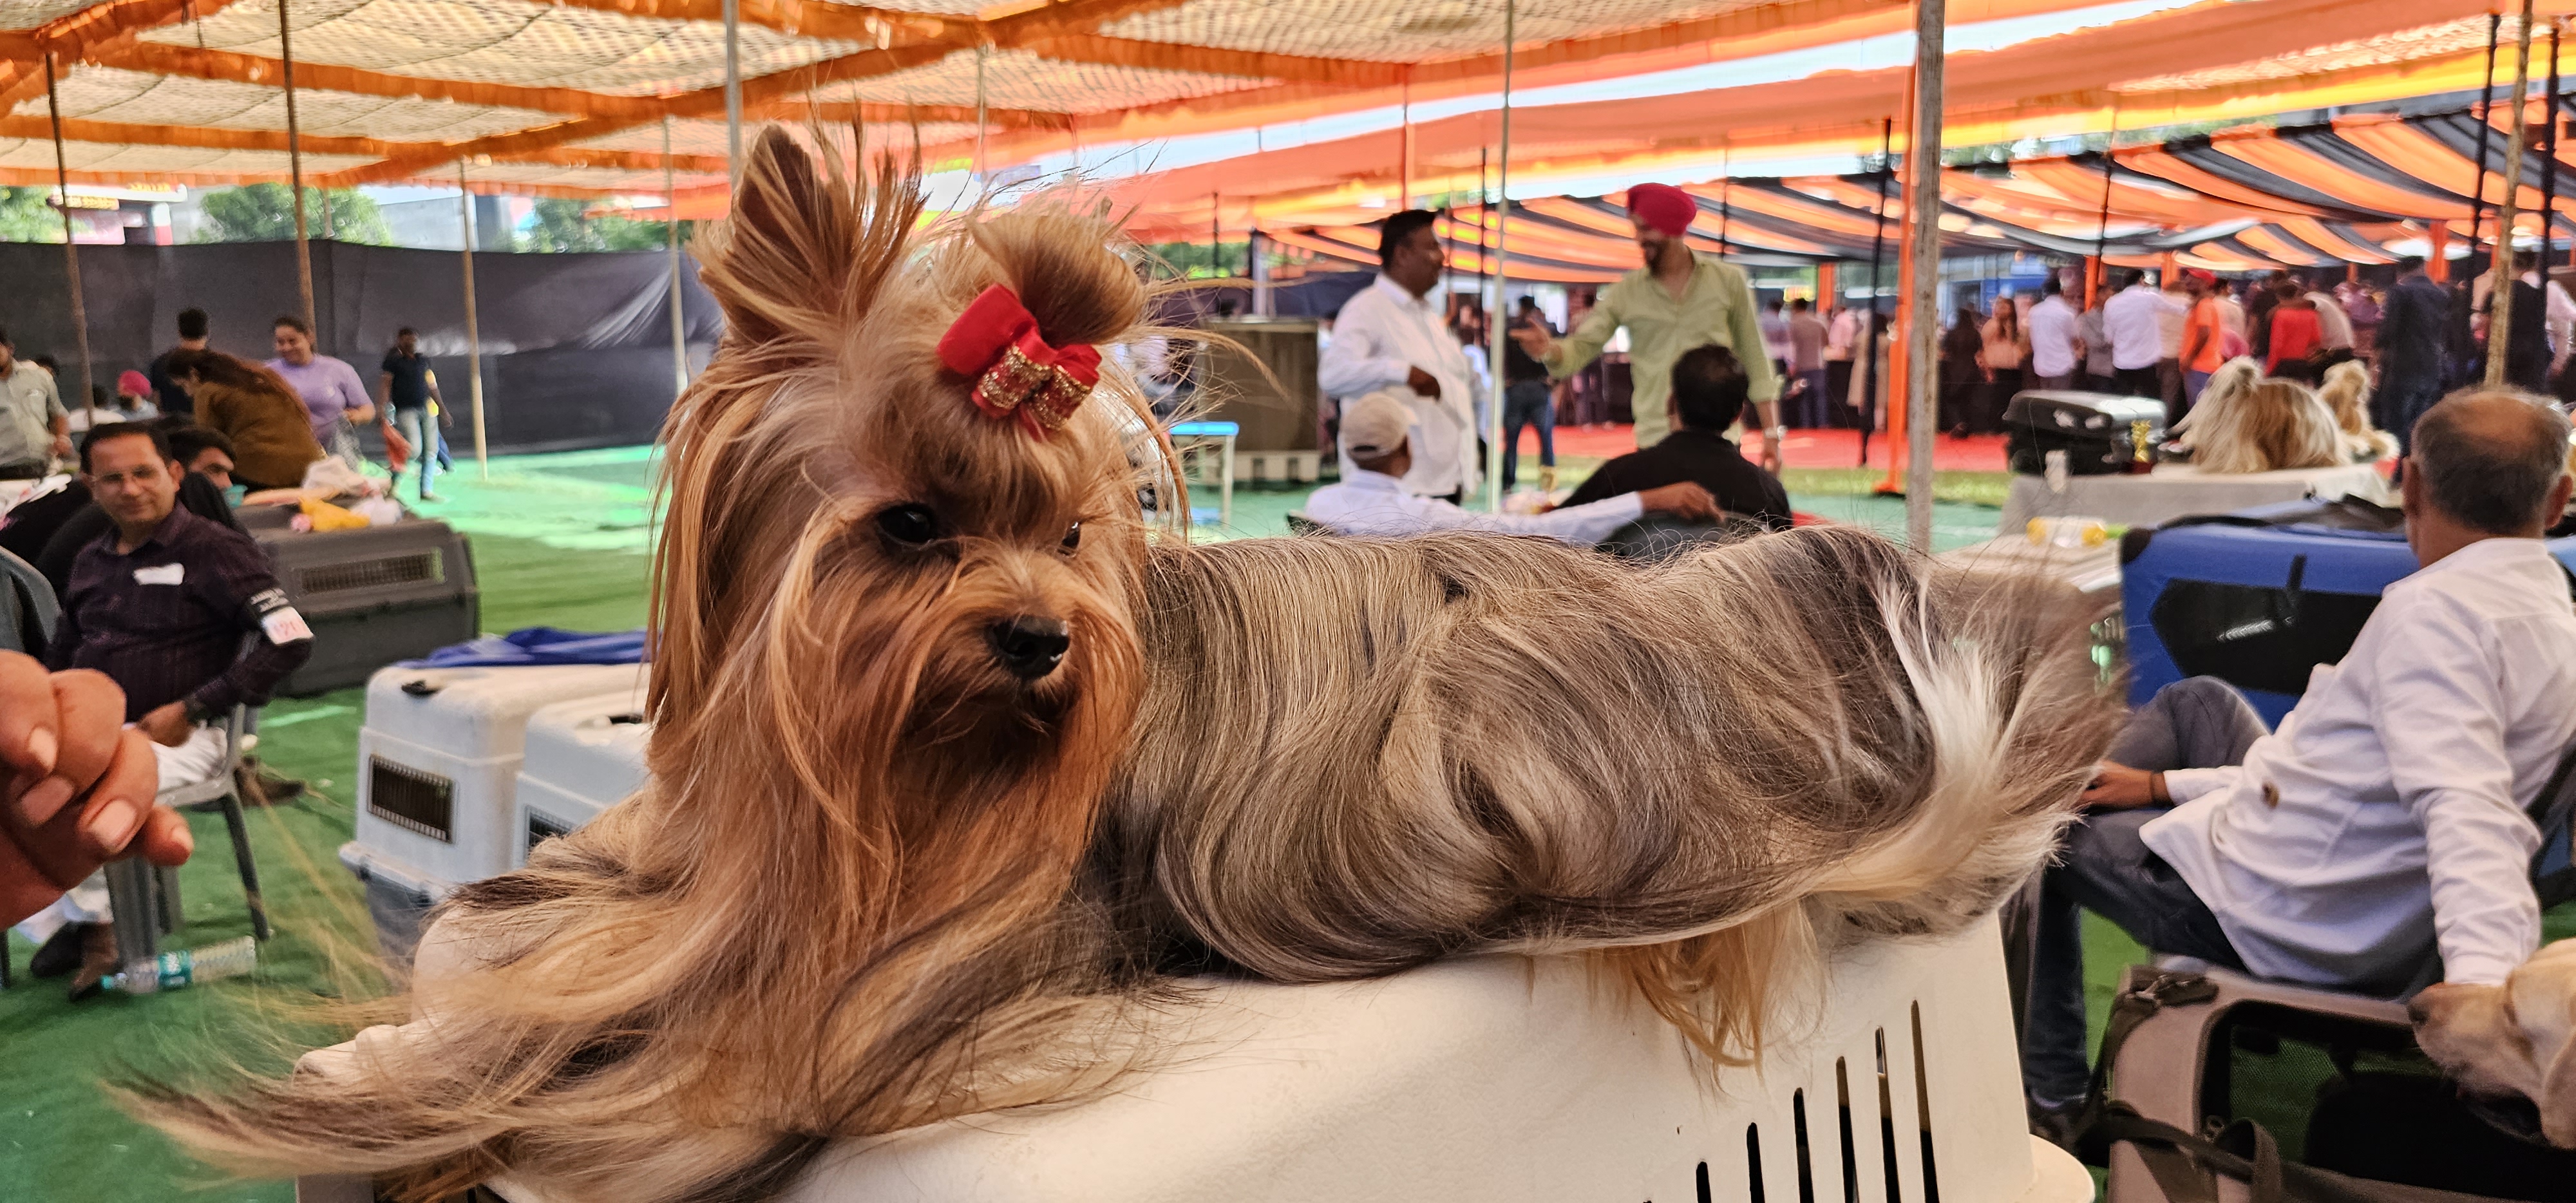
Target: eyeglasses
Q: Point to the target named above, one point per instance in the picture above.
(142, 475)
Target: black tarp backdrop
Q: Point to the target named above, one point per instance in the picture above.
(576, 347)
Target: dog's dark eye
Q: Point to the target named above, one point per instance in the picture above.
(1073, 537)
(912, 525)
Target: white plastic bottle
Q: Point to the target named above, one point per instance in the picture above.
(172, 970)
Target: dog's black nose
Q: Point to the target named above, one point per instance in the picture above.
(1029, 648)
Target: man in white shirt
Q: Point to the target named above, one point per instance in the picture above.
(2134, 318)
(2334, 325)
(2056, 344)
(1377, 432)
(2381, 833)
(1393, 336)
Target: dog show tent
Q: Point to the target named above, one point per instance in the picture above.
(598, 97)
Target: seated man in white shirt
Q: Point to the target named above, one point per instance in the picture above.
(2381, 833)
(1372, 500)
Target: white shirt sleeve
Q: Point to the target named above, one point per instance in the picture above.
(2440, 717)
(2562, 319)
(1386, 514)
(1361, 359)
(2184, 785)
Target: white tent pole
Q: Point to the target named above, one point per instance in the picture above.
(982, 53)
(1404, 169)
(473, 334)
(1923, 215)
(71, 252)
(1495, 314)
(733, 89)
(295, 172)
(679, 326)
(2501, 275)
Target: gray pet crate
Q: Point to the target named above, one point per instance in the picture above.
(374, 596)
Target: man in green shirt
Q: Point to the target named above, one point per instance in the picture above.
(1678, 301)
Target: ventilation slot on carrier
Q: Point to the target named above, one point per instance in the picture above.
(541, 829)
(418, 568)
(408, 798)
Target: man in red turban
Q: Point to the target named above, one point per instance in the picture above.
(1679, 300)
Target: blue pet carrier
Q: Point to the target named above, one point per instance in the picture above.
(2260, 597)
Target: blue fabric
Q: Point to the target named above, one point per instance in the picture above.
(538, 646)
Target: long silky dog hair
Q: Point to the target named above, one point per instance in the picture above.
(1709, 768)
(2244, 422)
(878, 883)
(2346, 392)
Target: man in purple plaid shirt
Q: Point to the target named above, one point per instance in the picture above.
(183, 614)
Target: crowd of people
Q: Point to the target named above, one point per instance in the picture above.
(126, 511)
(279, 415)
(2168, 339)
(1409, 392)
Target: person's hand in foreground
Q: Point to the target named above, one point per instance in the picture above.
(1687, 500)
(79, 786)
(2119, 787)
(1422, 383)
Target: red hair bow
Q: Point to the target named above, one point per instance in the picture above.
(996, 344)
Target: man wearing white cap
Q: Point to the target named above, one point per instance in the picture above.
(1372, 499)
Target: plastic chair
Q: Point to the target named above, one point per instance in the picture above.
(28, 608)
(2173, 1066)
(144, 898)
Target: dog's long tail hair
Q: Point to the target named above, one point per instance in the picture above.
(810, 926)
(1707, 769)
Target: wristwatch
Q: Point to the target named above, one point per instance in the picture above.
(1775, 433)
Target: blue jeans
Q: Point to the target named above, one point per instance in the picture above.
(2192, 384)
(1527, 403)
(422, 430)
(2104, 867)
(1816, 401)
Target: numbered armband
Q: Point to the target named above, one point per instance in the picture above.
(277, 618)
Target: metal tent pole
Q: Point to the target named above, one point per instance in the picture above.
(71, 253)
(295, 171)
(1869, 327)
(473, 333)
(1494, 334)
(2500, 268)
(679, 324)
(733, 90)
(1923, 214)
(1404, 170)
(2549, 158)
(2486, 124)
(1725, 196)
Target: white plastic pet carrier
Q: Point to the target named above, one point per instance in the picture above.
(582, 758)
(438, 762)
(1509, 1080)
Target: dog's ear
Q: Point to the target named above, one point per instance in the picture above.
(780, 266)
(2557, 1098)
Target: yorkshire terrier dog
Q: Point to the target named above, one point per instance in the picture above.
(2245, 422)
(2346, 392)
(953, 765)
(894, 669)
